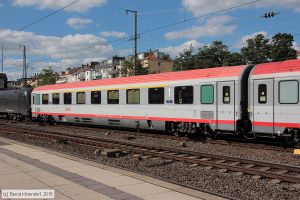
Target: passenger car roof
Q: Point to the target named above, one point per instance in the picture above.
(217, 72)
(277, 67)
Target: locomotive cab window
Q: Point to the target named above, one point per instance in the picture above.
(156, 95)
(68, 98)
(207, 94)
(55, 98)
(80, 97)
(289, 92)
(45, 99)
(184, 95)
(113, 96)
(262, 93)
(96, 97)
(133, 96)
(226, 94)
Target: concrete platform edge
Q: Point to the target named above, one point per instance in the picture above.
(148, 179)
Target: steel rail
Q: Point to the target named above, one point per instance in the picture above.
(260, 168)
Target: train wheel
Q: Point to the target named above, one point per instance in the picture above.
(294, 138)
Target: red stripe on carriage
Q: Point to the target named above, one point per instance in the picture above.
(137, 117)
(255, 123)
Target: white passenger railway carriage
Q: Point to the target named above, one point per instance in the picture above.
(239, 99)
(274, 98)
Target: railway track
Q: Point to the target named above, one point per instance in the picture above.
(232, 141)
(277, 172)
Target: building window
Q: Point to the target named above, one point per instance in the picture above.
(55, 98)
(289, 92)
(156, 95)
(207, 94)
(113, 96)
(226, 94)
(184, 95)
(45, 99)
(262, 93)
(38, 99)
(80, 97)
(96, 97)
(133, 96)
(68, 98)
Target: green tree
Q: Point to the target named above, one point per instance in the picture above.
(127, 69)
(257, 50)
(185, 60)
(213, 55)
(282, 47)
(234, 58)
(47, 77)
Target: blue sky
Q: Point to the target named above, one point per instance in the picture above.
(93, 30)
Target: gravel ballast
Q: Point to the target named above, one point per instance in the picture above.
(230, 184)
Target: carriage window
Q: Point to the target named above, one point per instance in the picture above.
(226, 94)
(33, 99)
(38, 99)
(156, 95)
(262, 93)
(113, 96)
(133, 96)
(96, 97)
(68, 98)
(45, 99)
(207, 94)
(55, 98)
(184, 95)
(80, 98)
(289, 92)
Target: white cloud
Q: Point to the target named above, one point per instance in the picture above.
(296, 46)
(13, 62)
(202, 7)
(80, 6)
(113, 34)
(214, 26)
(244, 39)
(13, 75)
(78, 23)
(59, 52)
(175, 50)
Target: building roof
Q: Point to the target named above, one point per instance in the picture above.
(277, 67)
(162, 77)
(151, 56)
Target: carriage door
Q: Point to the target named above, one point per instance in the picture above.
(263, 105)
(226, 105)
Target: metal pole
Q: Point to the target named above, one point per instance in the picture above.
(24, 65)
(135, 38)
(2, 58)
(135, 42)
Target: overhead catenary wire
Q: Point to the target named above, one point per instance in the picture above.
(198, 17)
(40, 19)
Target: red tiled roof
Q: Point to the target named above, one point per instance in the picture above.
(151, 56)
(162, 77)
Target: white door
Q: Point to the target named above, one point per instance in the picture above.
(263, 105)
(226, 105)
